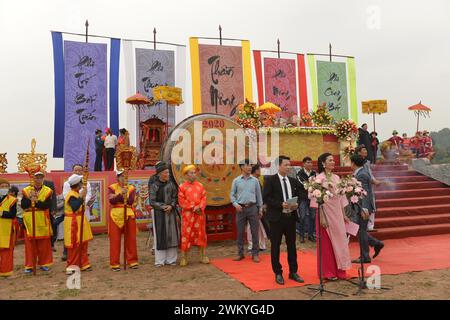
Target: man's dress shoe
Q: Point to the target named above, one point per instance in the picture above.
(296, 277)
(279, 279)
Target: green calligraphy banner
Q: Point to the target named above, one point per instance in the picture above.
(332, 87)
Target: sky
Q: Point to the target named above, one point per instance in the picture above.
(401, 49)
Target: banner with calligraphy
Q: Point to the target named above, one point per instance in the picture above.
(332, 88)
(154, 68)
(85, 99)
(221, 78)
(280, 85)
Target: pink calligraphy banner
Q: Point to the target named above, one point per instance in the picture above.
(280, 85)
(221, 78)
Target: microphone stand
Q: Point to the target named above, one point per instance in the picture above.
(321, 289)
(362, 283)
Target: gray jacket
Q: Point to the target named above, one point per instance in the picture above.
(364, 177)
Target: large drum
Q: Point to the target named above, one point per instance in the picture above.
(215, 177)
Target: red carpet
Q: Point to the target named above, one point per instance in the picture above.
(398, 256)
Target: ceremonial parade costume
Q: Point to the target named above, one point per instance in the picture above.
(73, 213)
(117, 226)
(192, 195)
(43, 227)
(8, 229)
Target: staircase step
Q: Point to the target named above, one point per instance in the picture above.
(412, 210)
(407, 179)
(392, 222)
(399, 194)
(412, 185)
(381, 174)
(379, 168)
(411, 231)
(416, 201)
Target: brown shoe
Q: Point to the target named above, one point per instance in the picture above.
(239, 258)
(256, 259)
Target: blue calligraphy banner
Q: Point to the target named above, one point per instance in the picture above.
(155, 68)
(85, 99)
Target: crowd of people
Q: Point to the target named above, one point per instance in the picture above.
(271, 207)
(420, 145)
(105, 147)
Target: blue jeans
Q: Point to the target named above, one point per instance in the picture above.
(307, 218)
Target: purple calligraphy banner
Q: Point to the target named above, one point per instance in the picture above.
(86, 99)
(281, 85)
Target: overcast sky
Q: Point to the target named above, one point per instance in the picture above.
(402, 50)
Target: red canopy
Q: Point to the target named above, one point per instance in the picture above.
(419, 107)
(420, 110)
(138, 99)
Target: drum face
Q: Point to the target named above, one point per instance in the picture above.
(216, 177)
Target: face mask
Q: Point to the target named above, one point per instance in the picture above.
(3, 192)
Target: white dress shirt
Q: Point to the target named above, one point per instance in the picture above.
(110, 141)
(289, 189)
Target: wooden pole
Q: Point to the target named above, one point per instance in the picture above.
(154, 38)
(418, 116)
(83, 206)
(87, 30)
(167, 119)
(374, 122)
(125, 216)
(278, 48)
(220, 34)
(329, 46)
(33, 221)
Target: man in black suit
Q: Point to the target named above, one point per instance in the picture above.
(282, 217)
(307, 215)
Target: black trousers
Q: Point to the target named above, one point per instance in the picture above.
(285, 226)
(98, 160)
(366, 239)
(110, 159)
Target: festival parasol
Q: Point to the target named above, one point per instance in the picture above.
(172, 96)
(269, 108)
(138, 100)
(420, 110)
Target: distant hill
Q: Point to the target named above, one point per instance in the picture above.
(441, 144)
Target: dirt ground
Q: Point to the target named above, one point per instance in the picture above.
(195, 281)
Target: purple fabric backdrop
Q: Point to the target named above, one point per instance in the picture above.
(86, 99)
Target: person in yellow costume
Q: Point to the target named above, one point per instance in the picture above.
(38, 244)
(117, 192)
(8, 211)
(73, 210)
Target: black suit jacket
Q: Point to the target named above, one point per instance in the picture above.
(273, 196)
(303, 177)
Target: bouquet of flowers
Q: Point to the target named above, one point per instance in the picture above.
(321, 191)
(322, 117)
(349, 151)
(306, 120)
(247, 116)
(266, 119)
(346, 130)
(351, 188)
(318, 190)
